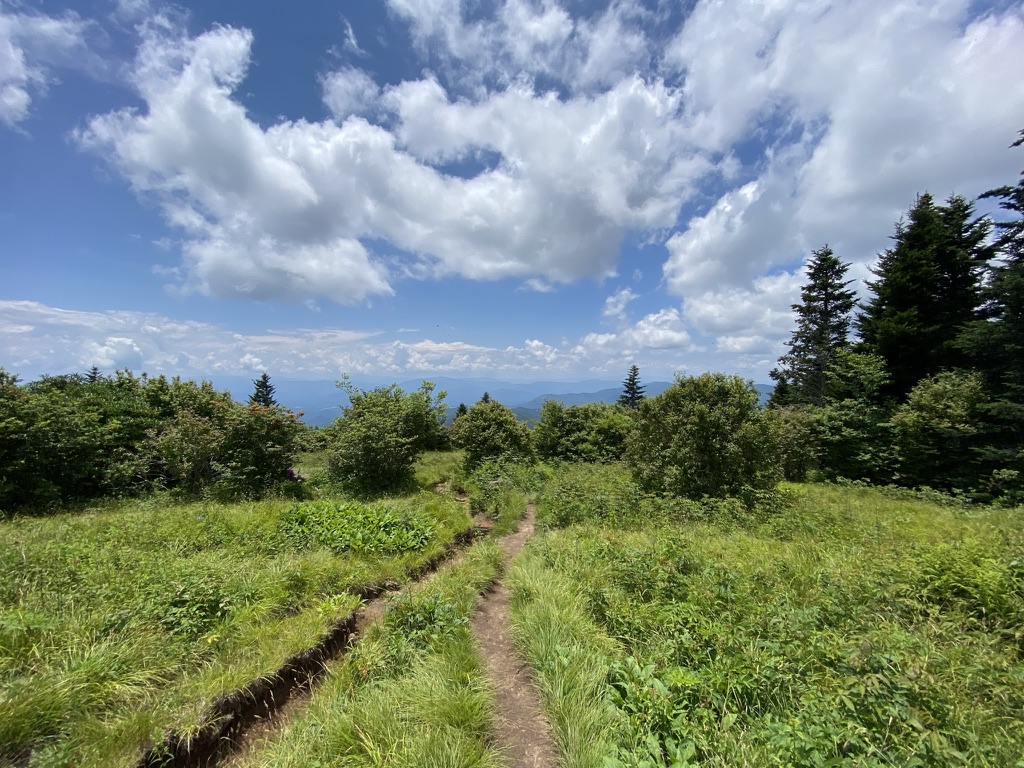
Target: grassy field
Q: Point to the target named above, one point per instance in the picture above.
(119, 622)
(844, 627)
(411, 692)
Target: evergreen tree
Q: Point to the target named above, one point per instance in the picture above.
(632, 390)
(995, 343)
(823, 323)
(462, 410)
(927, 290)
(94, 375)
(486, 398)
(263, 392)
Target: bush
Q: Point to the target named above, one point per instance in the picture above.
(591, 432)
(936, 429)
(798, 440)
(375, 443)
(705, 436)
(489, 430)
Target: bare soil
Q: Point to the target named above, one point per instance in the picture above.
(521, 729)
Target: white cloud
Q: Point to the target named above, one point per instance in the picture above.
(884, 100)
(281, 212)
(31, 45)
(615, 305)
(35, 338)
(350, 91)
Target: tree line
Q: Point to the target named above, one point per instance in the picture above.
(922, 384)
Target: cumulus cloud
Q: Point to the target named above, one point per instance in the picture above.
(615, 305)
(282, 212)
(862, 105)
(31, 46)
(350, 91)
(36, 338)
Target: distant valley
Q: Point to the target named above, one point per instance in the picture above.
(321, 401)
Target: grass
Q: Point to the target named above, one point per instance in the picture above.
(411, 692)
(846, 628)
(120, 622)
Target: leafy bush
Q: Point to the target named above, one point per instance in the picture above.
(591, 432)
(489, 430)
(705, 436)
(344, 526)
(375, 443)
(936, 429)
(798, 440)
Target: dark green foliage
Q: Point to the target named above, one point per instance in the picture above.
(263, 392)
(937, 429)
(823, 324)
(590, 432)
(348, 527)
(927, 290)
(376, 442)
(491, 431)
(995, 343)
(426, 417)
(80, 437)
(853, 432)
(705, 436)
(632, 389)
(799, 441)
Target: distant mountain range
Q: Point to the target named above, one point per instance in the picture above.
(321, 401)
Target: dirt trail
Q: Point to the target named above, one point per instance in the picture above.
(521, 729)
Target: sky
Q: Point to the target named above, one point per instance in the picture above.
(520, 189)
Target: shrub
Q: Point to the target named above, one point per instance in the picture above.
(376, 442)
(705, 436)
(798, 441)
(936, 429)
(489, 430)
(591, 432)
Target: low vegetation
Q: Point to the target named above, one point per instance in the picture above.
(121, 621)
(411, 692)
(850, 626)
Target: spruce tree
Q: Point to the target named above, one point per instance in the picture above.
(995, 343)
(263, 392)
(632, 390)
(823, 324)
(926, 292)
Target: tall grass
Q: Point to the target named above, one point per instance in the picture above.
(119, 623)
(850, 627)
(411, 692)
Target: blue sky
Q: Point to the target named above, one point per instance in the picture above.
(521, 189)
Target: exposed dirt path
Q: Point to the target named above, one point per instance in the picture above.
(521, 729)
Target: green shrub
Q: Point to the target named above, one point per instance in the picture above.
(375, 443)
(489, 430)
(705, 436)
(591, 432)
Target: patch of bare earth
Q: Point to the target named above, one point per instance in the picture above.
(521, 728)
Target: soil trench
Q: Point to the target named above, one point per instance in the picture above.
(521, 728)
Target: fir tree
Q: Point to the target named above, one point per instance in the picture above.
(263, 392)
(462, 410)
(995, 342)
(927, 290)
(823, 324)
(632, 389)
(94, 375)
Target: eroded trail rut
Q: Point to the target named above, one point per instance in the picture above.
(521, 728)
(241, 720)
